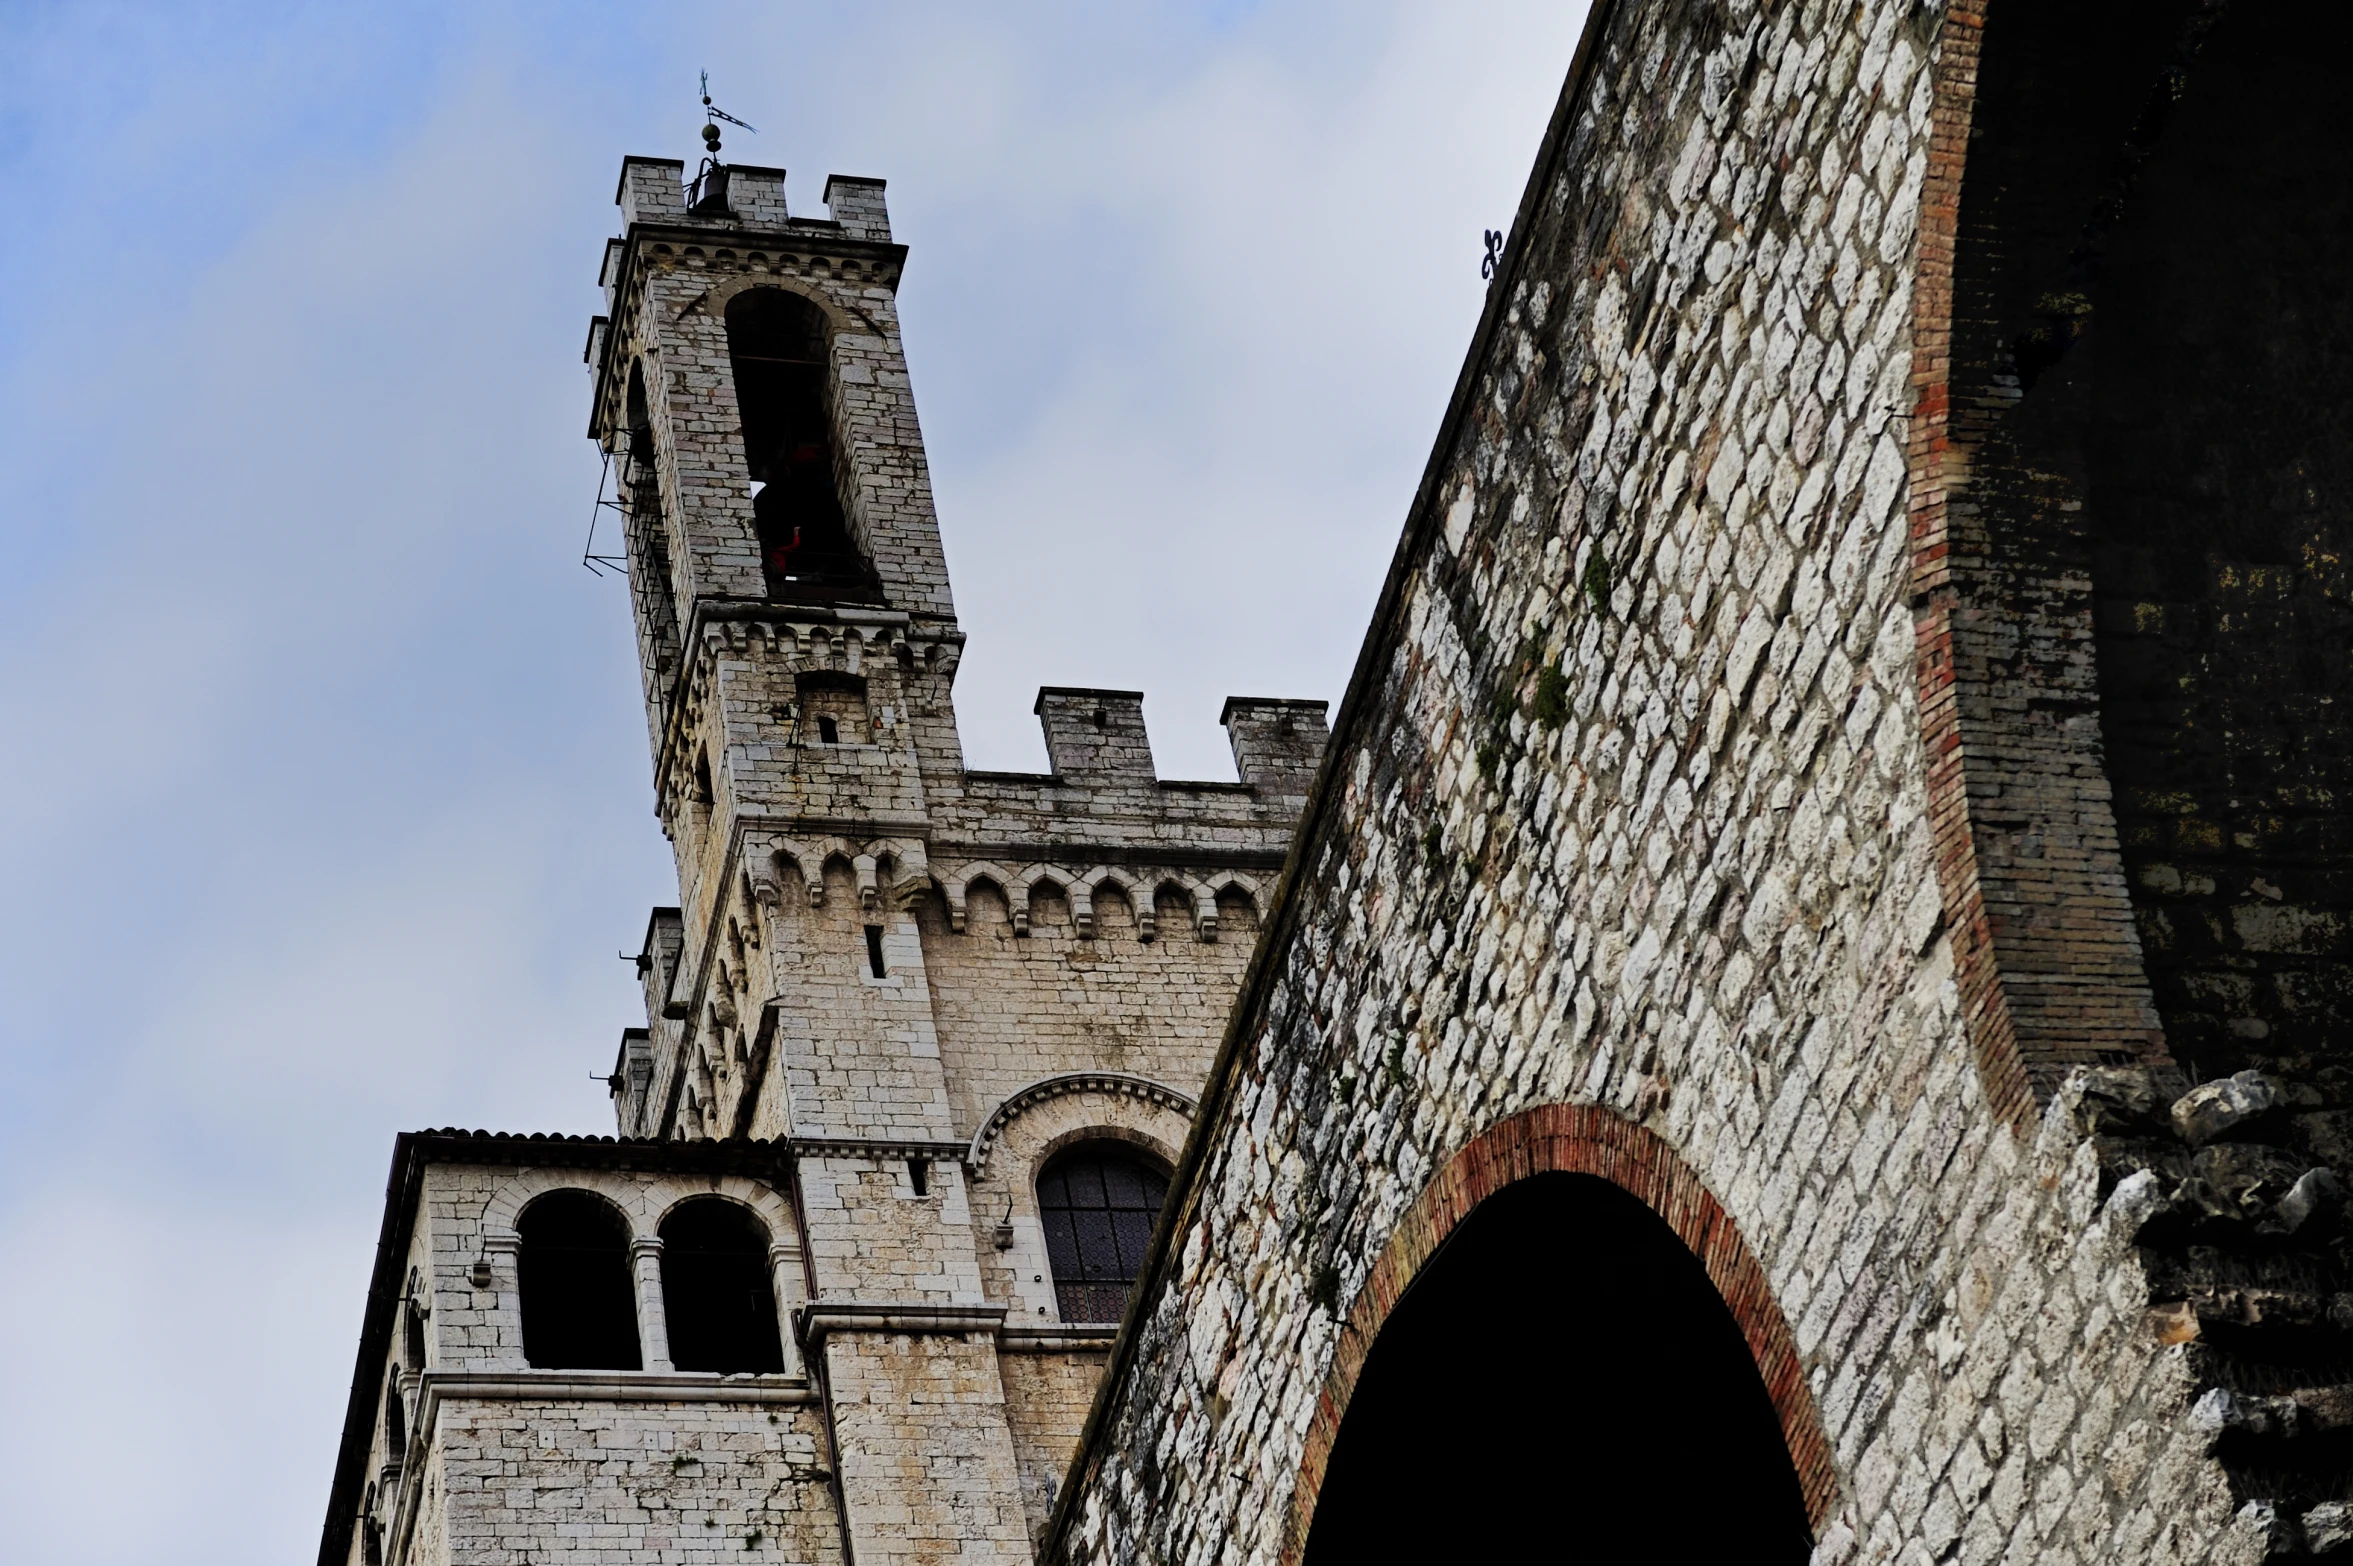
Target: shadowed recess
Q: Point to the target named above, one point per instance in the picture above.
(579, 1312)
(717, 1292)
(1560, 1383)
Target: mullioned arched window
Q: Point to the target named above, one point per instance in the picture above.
(1098, 1202)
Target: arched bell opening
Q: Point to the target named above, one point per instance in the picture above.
(579, 1304)
(1562, 1382)
(778, 345)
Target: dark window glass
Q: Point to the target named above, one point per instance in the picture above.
(717, 1290)
(579, 1308)
(1098, 1202)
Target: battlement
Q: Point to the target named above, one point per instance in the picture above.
(1098, 736)
(744, 195)
(1277, 742)
(1094, 735)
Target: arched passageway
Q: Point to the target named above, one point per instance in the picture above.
(2149, 534)
(1561, 1382)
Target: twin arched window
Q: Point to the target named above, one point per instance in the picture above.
(1098, 1202)
(579, 1302)
(580, 1297)
(717, 1292)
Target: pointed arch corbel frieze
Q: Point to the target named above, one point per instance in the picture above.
(1142, 885)
(1015, 1104)
(955, 884)
(883, 868)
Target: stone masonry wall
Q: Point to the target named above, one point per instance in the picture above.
(1013, 1009)
(614, 1484)
(1629, 808)
(1046, 1401)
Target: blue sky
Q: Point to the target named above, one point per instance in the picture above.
(327, 803)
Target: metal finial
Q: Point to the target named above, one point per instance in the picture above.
(713, 114)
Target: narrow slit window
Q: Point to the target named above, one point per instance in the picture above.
(396, 1439)
(919, 1176)
(874, 960)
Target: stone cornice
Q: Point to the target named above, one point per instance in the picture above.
(822, 1318)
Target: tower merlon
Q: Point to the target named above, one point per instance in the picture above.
(1277, 742)
(856, 204)
(652, 190)
(756, 195)
(1093, 735)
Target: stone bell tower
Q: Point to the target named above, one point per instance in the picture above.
(930, 1036)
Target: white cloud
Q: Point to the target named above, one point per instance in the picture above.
(328, 805)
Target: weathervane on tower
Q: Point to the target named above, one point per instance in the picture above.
(712, 114)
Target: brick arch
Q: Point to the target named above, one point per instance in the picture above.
(1590, 1140)
(2037, 905)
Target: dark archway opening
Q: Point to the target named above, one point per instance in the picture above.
(1561, 1382)
(579, 1307)
(777, 344)
(1098, 1202)
(718, 1293)
(396, 1435)
(648, 539)
(2154, 301)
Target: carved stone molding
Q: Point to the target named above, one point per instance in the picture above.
(985, 1139)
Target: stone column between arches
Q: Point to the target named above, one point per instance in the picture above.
(1575, 1139)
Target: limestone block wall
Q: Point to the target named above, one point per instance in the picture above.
(458, 1449)
(928, 1466)
(1013, 1009)
(1046, 1402)
(615, 1483)
(1625, 860)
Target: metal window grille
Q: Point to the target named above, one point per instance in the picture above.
(1098, 1203)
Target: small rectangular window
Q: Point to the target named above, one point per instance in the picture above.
(919, 1176)
(874, 951)
(828, 732)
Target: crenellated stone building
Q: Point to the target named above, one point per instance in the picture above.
(1810, 1013)
(921, 1042)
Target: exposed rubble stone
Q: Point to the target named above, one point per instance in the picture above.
(1724, 766)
